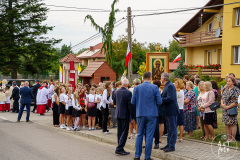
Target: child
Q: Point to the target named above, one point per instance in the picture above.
(55, 101)
(3, 100)
(69, 107)
(61, 108)
(76, 110)
(8, 95)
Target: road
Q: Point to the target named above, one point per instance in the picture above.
(30, 141)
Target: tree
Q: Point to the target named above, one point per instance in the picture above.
(181, 70)
(142, 69)
(23, 46)
(175, 50)
(107, 32)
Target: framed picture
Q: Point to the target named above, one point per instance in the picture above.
(157, 63)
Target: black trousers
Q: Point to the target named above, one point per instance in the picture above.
(156, 133)
(55, 114)
(99, 118)
(16, 105)
(122, 133)
(35, 104)
(105, 113)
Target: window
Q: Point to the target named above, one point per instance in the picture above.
(210, 26)
(236, 55)
(237, 17)
(220, 57)
(209, 57)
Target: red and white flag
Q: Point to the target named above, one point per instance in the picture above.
(178, 58)
(128, 56)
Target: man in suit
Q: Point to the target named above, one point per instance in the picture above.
(26, 95)
(170, 110)
(124, 108)
(35, 90)
(15, 96)
(146, 97)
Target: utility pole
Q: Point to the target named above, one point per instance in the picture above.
(129, 16)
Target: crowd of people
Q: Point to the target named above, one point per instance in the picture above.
(140, 109)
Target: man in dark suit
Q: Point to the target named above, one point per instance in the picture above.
(15, 96)
(26, 95)
(124, 109)
(35, 90)
(170, 109)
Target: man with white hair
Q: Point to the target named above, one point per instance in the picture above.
(170, 110)
(26, 95)
(124, 109)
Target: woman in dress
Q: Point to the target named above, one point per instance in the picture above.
(55, 101)
(92, 108)
(230, 100)
(61, 108)
(69, 107)
(76, 110)
(190, 118)
(179, 85)
(207, 100)
(82, 98)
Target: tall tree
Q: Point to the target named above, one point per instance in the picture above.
(107, 32)
(23, 46)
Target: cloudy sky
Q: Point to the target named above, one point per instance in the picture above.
(71, 28)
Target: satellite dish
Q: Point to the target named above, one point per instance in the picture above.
(218, 32)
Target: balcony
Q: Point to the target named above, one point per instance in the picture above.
(199, 39)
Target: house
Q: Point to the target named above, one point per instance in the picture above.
(211, 36)
(92, 54)
(97, 71)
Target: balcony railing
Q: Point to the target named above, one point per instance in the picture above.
(199, 38)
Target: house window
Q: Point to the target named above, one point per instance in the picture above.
(237, 17)
(236, 55)
(210, 26)
(220, 57)
(209, 57)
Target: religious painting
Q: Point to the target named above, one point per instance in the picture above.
(157, 63)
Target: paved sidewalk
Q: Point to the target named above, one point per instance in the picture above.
(184, 150)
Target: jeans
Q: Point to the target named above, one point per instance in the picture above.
(105, 114)
(21, 111)
(172, 131)
(149, 125)
(114, 120)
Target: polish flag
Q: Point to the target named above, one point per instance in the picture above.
(128, 56)
(178, 58)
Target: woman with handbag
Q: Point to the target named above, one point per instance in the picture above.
(229, 104)
(207, 100)
(199, 102)
(92, 108)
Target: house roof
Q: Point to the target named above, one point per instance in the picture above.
(193, 24)
(92, 52)
(91, 68)
(69, 57)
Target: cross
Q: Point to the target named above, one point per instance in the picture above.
(158, 48)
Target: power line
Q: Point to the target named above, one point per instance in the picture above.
(185, 10)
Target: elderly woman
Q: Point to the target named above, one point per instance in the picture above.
(190, 118)
(199, 102)
(208, 99)
(230, 100)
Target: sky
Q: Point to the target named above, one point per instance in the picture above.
(71, 28)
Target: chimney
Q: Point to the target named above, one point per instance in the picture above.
(91, 48)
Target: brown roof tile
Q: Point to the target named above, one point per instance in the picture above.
(91, 68)
(97, 54)
(69, 57)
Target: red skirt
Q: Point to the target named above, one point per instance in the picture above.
(2, 107)
(41, 109)
(49, 103)
(7, 106)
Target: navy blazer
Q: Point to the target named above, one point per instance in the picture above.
(169, 106)
(35, 89)
(26, 95)
(124, 108)
(146, 97)
(15, 93)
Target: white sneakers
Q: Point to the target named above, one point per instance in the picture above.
(63, 126)
(83, 127)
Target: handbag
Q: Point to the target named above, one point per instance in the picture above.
(232, 111)
(91, 104)
(214, 106)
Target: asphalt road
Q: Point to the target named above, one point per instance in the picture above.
(30, 141)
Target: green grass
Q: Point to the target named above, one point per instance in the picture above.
(220, 130)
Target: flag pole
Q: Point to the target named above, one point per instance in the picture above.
(130, 44)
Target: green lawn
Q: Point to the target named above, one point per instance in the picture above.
(220, 130)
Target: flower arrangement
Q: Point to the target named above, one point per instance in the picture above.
(210, 66)
(82, 102)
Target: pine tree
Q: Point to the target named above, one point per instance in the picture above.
(181, 70)
(23, 46)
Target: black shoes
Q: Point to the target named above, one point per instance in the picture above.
(135, 158)
(164, 148)
(33, 111)
(169, 150)
(156, 146)
(123, 153)
(148, 159)
(18, 120)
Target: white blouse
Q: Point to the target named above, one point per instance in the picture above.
(92, 98)
(53, 97)
(98, 104)
(180, 99)
(105, 100)
(76, 105)
(62, 99)
(68, 101)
